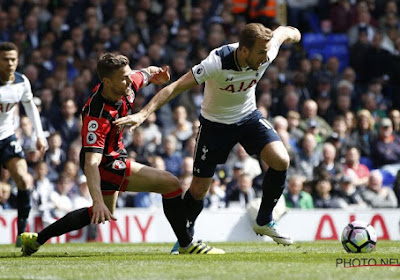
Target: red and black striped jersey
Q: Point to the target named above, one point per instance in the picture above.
(99, 134)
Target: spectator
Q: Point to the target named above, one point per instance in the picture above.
(358, 172)
(281, 126)
(386, 150)
(343, 140)
(192, 101)
(215, 197)
(307, 158)
(137, 149)
(244, 193)
(251, 166)
(376, 195)
(363, 23)
(152, 133)
(310, 109)
(5, 193)
(295, 197)
(323, 197)
(394, 116)
(182, 128)
(295, 132)
(364, 134)
(232, 186)
(325, 107)
(26, 134)
(349, 195)
(60, 198)
(350, 119)
(341, 16)
(55, 157)
(328, 168)
(171, 157)
(68, 125)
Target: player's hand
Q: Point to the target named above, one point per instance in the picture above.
(160, 76)
(41, 145)
(101, 214)
(133, 120)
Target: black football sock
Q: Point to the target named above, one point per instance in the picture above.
(273, 185)
(174, 210)
(193, 207)
(23, 209)
(72, 221)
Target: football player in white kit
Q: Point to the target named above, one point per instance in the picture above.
(229, 116)
(15, 88)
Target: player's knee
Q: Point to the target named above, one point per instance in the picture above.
(22, 182)
(171, 182)
(198, 193)
(281, 162)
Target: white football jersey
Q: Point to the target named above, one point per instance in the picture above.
(10, 95)
(229, 93)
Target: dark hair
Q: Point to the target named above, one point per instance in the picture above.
(8, 46)
(108, 63)
(253, 31)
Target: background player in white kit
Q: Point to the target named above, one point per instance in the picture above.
(229, 116)
(15, 88)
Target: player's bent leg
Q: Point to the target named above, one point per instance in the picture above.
(276, 157)
(193, 200)
(19, 172)
(148, 179)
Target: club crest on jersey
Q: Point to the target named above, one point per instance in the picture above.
(200, 71)
(118, 165)
(93, 125)
(91, 138)
(131, 97)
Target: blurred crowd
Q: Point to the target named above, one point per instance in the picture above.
(341, 125)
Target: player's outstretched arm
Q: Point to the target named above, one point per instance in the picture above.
(169, 92)
(158, 75)
(287, 34)
(100, 212)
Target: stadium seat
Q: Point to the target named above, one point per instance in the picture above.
(314, 40)
(338, 50)
(388, 178)
(314, 22)
(338, 39)
(368, 162)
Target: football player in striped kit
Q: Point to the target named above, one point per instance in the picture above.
(105, 162)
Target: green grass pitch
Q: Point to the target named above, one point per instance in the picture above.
(255, 260)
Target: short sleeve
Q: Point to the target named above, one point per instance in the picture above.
(207, 68)
(94, 133)
(27, 94)
(273, 49)
(137, 79)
